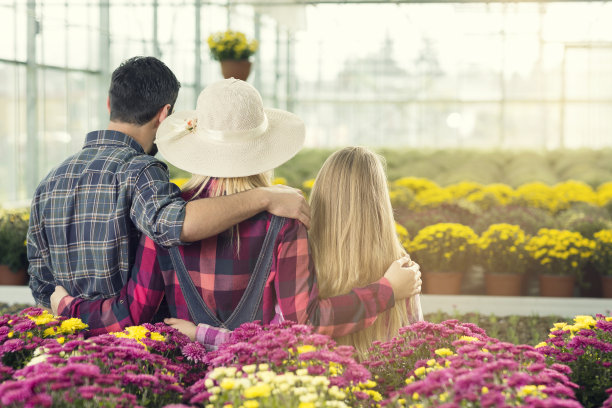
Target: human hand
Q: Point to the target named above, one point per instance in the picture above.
(289, 202)
(184, 326)
(56, 298)
(404, 275)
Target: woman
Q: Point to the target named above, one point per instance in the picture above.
(352, 236)
(230, 142)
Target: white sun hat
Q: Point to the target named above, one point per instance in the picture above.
(230, 134)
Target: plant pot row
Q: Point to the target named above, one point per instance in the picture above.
(10, 277)
(505, 284)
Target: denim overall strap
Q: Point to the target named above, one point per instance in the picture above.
(249, 304)
(249, 307)
(199, 311)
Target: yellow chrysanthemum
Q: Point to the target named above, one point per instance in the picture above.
(227, 384)
(179, 181)
(420, 371)
(444, 352)
(42, 319)
(306, 348)
(72, 325)
(258, 390)
(308, 184)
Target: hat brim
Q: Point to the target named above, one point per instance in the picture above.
(192, 152)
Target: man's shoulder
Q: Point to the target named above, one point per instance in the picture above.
(119, 159)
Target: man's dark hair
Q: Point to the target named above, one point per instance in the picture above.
(139, 88)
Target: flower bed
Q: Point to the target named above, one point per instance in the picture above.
(585, 347)
(49, 361)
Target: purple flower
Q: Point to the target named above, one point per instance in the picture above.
(316, 370)
(12, 345)
(194, 352)
(604, 326)
(492, 399)
(536, 367)
(12, 392)
(140, 380)
(40, 400)
(566, 357)
(24, 326)
(561, 368)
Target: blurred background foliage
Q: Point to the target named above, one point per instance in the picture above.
(450, 166)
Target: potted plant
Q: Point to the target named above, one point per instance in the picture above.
(403, 235)
(232, 50)
(501, 250)
(602, 260)
(444, 251)
(560, 256)
(13, 252)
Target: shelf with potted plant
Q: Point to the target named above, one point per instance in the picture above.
(13, 251)
(444, 251)
(501, 251)
(559, 256)
(602, 260)
(233, 50)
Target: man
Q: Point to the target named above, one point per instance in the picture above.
(88, 213)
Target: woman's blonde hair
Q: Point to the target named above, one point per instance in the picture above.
(353, 236)
(225, 186)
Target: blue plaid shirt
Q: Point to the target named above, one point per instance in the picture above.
(87, 215)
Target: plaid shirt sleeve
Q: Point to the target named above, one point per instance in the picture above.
(42, 282)
(211, 337)
(157, 209)
(298, 292)
(137, 302)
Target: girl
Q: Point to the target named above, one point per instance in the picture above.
(353, 237)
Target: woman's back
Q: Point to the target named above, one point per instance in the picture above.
(221, 266)
(353, 236)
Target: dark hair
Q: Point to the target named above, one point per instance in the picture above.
(139, 88)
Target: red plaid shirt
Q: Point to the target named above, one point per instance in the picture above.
(291, 291)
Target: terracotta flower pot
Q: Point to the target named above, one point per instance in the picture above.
(557, 286)
(239, 69)
(442, 283)
(606, 286)
(8, 277)
(504, 284)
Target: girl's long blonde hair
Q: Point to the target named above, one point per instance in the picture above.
(353, 236)
(225, 186)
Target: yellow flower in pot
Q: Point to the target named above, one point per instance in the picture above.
(403, 235)
(444, 251)
(501, 250)
(539, 195)
(604, 193)
(559, 254)
(13, 249)
(233, 50)
(602, 259)
(492, 195)
(572, 191)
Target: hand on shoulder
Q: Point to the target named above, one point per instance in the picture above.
(404, 275)
(288, 202)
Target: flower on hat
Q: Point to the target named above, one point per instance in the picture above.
(191, 125)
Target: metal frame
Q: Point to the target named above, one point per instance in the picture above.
(568, 47)
(282, 62)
